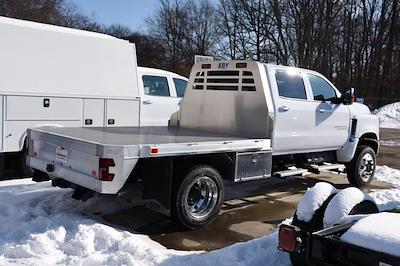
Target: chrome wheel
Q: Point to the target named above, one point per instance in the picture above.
(366, 167)
(201, 197)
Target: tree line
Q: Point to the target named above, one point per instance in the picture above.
(355, 43)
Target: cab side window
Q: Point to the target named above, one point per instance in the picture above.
(290, 84)
(155, 85)
(322, 90)
(180, 86)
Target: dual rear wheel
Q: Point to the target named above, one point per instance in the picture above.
(199, 197)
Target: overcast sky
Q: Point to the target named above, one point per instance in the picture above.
(131, 13)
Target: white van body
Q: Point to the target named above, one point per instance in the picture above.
(56, 76)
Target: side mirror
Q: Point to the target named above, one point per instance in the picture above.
(349, 97)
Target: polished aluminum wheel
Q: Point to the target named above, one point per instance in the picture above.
(200, 197)
(366, 167)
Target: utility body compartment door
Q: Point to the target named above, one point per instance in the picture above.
(93, 112)
(22, 108)
(122, 113)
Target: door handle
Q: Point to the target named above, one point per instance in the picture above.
(147, 102)
(321, 110)
(283, 109)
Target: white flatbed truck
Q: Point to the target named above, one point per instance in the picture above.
(239, 121)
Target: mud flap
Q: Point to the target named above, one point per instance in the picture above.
(157, 174)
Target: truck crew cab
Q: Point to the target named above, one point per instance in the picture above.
(239, 121)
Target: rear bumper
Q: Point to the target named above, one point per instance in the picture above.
(81, 163)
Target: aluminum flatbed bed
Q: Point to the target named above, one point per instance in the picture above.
(139, 135)
(77, 154)
(137, 142)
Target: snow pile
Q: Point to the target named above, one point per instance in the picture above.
(392, 143)
(313, 199)
(341, 205)
(388, 198)
(379, 232)
(389, 115)
(387, 174)
(42, 225)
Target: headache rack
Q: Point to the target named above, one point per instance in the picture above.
(229, 97)
(228, 80)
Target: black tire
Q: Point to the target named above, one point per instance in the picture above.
(355, 174)
(189, 193)
(22, 169)
(364, 207)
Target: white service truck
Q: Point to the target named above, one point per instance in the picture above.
(55, 76)
(239, 121)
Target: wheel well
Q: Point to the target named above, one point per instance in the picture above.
(222, 162)
(371, 140)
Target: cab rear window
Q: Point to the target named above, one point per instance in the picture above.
(290, 84)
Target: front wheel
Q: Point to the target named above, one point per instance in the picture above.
(199, 197)
(361, 170)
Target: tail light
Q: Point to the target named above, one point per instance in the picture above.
(104, 169)
(153, 150)
(206, 66)
(288, 238)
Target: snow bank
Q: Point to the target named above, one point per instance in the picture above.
(387, 174)
(341, 205)
(389, 115)
(379, 232)
(388, 198)
(313, 199)
(42, 225)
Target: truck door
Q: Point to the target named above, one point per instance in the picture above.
(332, 121)
(159, 100)
(294, 122)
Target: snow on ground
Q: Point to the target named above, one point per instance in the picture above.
(387, 174)
(42, 225)
(389, 115)
(392, 143)
(387, 198)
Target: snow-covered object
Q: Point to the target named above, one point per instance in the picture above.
(389, 115)
(313, 199)
(341, 205)
(379, 232)
(43, 225)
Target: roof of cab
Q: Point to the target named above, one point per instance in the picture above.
(148, 70)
